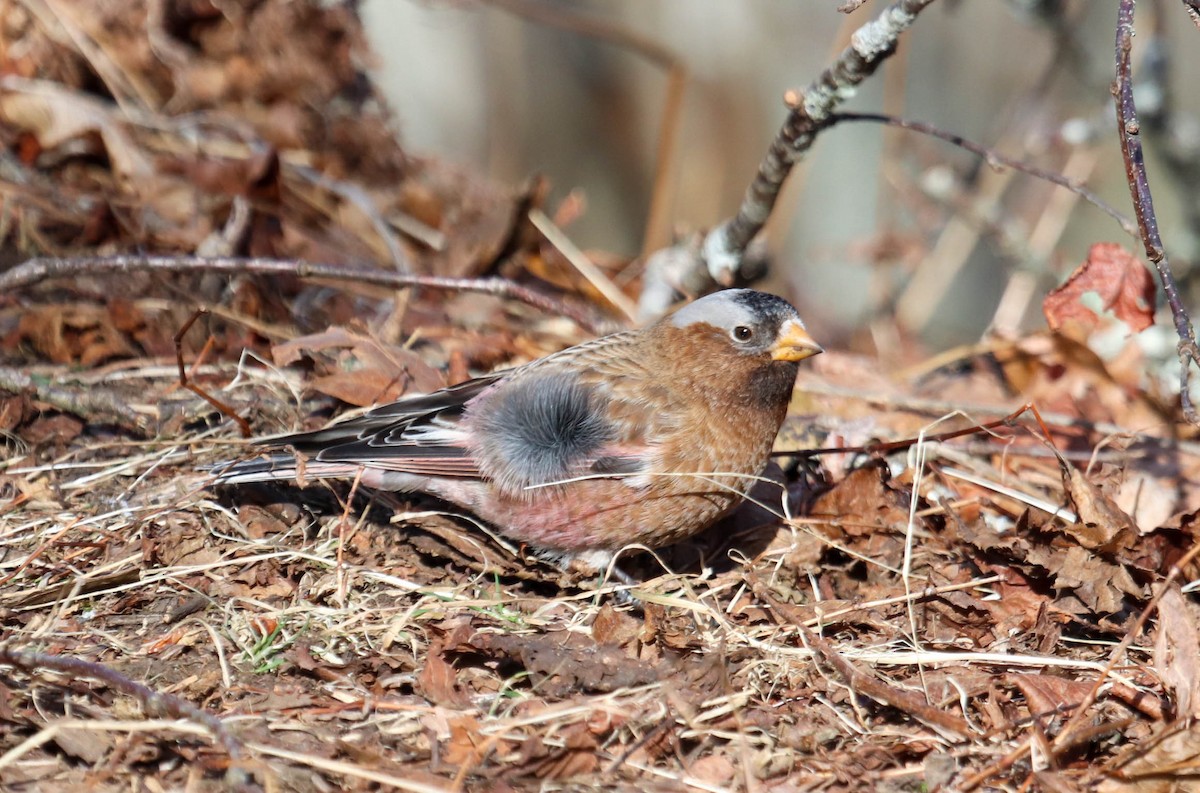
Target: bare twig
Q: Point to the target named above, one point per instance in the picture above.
(1193, 10)
(1172, 136)
(39, 269)
(809, 113)
(1143, 204)
(995, 158)
(996, 768)
(890, 447)
(85, 402)
(186, 382)
(154, 703)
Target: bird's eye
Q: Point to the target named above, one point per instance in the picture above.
(743, 333)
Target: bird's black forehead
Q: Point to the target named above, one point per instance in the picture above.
(765, 306)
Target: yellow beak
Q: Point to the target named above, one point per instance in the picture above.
(794, 343)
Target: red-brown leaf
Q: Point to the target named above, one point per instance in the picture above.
(1120, 279)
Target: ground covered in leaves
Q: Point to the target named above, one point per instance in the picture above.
(1008, 608)
(933, 615)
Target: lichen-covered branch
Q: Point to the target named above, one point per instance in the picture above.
(1193, 10)
(809, 112)
(725, 255)
(86, 402)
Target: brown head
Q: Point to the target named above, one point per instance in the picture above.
(740, 345)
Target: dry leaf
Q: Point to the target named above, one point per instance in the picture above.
(1103, 525)
(1047, 696)
(55, 115)
(1165, 766)
(438, 681)
(52, 428)
(715, 769)
(90, 746)
(562, 663)
(367, 371)
(1122, 281)
(1177, 652)
(70, 332)
(1100, 584)
(361, 388)
(614, 627)
(577, 756)
(1151, 500)
(467, 742)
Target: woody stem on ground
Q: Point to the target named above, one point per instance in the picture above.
(155, 703)
(1143, 205)
(42, 268)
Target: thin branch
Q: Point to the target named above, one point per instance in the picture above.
(1168, 132)
(39, 269)
(186, 382)
(995, 159)
(936, 407)
(1193, 10)
(85, 401)
(860, 682)
(890, 447)
(809, 113)
(154, 703)
(1143, 204)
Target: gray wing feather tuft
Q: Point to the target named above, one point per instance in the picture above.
(539, 430)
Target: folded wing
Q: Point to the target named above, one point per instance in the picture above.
(522, 429)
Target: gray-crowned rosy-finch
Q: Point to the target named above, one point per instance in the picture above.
(646, 436)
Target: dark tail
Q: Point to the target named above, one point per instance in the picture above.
(261, 469)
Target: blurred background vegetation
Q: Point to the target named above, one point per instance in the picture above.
(876, 220)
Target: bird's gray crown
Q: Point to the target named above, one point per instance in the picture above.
(732, 307)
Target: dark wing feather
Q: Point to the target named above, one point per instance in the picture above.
(408, 435)
(390, 420)
(543, 423)
(449, 398)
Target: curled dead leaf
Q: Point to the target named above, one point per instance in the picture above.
(1120, 279)
(1102, 524)
(55, 115)
(1177, 652)
(366, 371)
